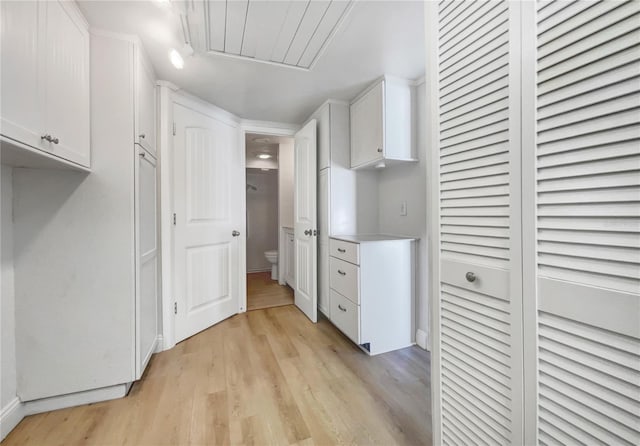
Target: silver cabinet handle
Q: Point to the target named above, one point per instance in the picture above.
(142, 135)
(379, 150)
(342, 308)
(235, 233)
(342, 273)
(471, 277)
(342, 250)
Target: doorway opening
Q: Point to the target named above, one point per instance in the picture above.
(269, 208)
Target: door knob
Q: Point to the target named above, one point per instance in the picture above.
(142, 135)
(307, 232)
(54, 140)
(235, 233)
(471, 277)
(46, 137)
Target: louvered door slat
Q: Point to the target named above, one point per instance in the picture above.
(588, 189)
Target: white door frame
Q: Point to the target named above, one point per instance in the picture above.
(262, 128)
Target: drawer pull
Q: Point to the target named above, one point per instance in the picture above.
(342, 308)
(342, 273)
(471, 277)
(342, 250)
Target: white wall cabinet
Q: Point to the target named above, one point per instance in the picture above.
(372, 290)
(382, 125)
(90, 321)
(346, 204)
(45, 80)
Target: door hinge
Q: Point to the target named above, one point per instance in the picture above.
(174, 219)
(175, 308)
(174, 129)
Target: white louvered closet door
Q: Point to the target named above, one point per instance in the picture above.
(588, 207)
(479, 311)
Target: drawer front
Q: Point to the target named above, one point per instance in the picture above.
(347, 251)
(346, 316)
(344, 277)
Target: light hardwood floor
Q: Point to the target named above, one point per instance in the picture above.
(262, 292)
(263, 377)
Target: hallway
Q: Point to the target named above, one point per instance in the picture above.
(262, 377)
(262, 292)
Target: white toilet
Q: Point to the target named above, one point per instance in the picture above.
(272, 257)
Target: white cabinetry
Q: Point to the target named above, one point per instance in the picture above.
(372, 290)
(339, 211)
(289, 256)
(382, 125)
(45, 81)
(90, 321)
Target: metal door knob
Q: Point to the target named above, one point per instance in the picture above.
(379, 150)
(54, 140)
(307, 232)
(142, 135)
(471, 277)
(235, 233)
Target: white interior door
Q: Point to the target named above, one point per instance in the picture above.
(208, 216)
(305, 221)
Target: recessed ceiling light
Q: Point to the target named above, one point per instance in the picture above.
(176, 59)
(264, 156)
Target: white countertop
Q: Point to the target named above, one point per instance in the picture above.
(363, 238)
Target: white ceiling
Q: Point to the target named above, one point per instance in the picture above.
(375, 38)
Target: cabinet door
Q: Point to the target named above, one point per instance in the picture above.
(367, 129)
(20, 108)
(146, 106)
(66, 81)
(147, 259)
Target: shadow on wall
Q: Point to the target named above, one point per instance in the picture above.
(262, 217)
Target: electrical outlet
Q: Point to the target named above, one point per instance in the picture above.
(403, 208)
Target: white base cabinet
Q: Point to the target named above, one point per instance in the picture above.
(372, 290)
(45, 82)
(90, 320)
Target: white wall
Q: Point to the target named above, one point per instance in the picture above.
(7, 293)
(285, 183)
(408, 182)
(262, 218)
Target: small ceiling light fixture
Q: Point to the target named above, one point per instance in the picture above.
(176, 59)
(264, 156)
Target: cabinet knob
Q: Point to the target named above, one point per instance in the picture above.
(379, 150)
(471, 277)
(342, 308)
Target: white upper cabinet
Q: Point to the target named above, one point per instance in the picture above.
(45, 79)
(382, 125)
(146, 104)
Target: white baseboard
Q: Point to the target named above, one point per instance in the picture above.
(159, 344)
(10, 416)
(75, 399)
(422, 339)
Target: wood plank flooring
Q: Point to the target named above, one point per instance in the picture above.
(259, 378)
(262, 292)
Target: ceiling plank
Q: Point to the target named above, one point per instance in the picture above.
(327, 26)
(236, 19)
(216, 24)
(291, 24)
(311, 20)
(266, 42)
(264, 21)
